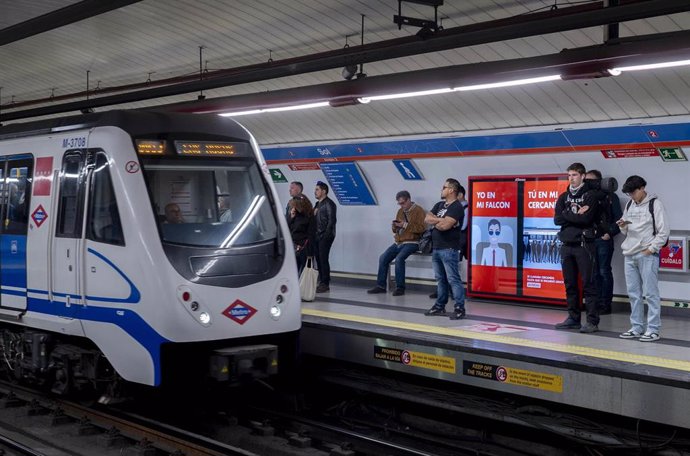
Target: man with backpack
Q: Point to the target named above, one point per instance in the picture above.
(644, 224)
(610, 211)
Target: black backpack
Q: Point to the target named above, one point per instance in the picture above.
(651, 211)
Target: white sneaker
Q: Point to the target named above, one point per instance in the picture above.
(649, 337)
(630, 334)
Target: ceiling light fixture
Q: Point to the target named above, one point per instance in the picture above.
(651, 66)
(516, 82)
(404, 95)
(278, 109)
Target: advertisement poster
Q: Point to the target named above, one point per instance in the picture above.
(541, 260)
(514, 243)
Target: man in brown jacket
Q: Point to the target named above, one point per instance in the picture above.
(407, 227)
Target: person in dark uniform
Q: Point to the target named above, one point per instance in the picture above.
(576, 213)
(325, 214)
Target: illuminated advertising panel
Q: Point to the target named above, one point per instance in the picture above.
(515, 251)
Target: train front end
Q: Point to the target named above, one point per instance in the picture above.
(231, 289)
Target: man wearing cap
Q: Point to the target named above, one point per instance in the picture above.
(325, 214)
(644, 224)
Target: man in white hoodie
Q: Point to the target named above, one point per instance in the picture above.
(646, 232)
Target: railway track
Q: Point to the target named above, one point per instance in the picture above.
(67, 427)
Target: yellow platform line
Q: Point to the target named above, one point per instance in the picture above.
(509, 340)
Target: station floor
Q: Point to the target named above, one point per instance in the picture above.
(509, 347)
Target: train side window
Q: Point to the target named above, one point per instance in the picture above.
(18, 187)
(71, 197)
(103, 220)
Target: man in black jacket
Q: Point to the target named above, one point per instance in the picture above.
(325, 213)
(576, 213)
(610, 213)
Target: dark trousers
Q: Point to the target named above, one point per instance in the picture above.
(603, 277)
(301, 256)
(578, 263)
(323, 251)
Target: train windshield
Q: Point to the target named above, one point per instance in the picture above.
(211, 205)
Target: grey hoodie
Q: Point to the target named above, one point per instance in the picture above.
(639, 234)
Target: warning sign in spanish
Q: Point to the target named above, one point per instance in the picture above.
(415, 359)
(513, 376)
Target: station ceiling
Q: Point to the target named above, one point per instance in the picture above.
(139, 44)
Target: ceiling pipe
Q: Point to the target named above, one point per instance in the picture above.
(580, 63)
(59, 18)
(507, 29)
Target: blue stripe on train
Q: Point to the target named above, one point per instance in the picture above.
(128, 320)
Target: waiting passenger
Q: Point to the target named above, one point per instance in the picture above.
(225, 214)
(407, 227)
(575, 212)
(296, 189)
(173, 213)
(301, 224)
(446, 216)
(610, 207)
(325, 214)
(646, 232)
(462, 249)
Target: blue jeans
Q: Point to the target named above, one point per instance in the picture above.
(603, 276)
(445, 263)
(642, 279)
(399, 253)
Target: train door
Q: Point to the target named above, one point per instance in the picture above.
(66, 261)
(15, 191)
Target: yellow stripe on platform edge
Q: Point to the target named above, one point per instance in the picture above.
(553, 346)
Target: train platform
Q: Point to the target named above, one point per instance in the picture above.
(510, 348)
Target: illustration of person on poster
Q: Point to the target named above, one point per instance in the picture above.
(493, 255)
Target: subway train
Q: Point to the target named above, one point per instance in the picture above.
(144, 247)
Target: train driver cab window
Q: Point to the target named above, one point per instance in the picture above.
(104, 219)
(18, 187)
(205, 204)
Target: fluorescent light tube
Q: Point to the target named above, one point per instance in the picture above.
(495, 85)
(617, 71)
(404, 95)
(278, 109)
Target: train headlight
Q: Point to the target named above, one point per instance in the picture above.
(204, 318)
(275, 312)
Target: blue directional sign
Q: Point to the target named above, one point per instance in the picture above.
(349, 184)
(408, 169)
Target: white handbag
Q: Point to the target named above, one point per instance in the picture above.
(308, 281)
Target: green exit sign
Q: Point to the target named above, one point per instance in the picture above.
(672, 154)
(277, 175)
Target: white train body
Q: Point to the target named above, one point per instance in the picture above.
(97, 259)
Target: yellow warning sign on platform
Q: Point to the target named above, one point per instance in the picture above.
(513, 376)
(415, 359)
